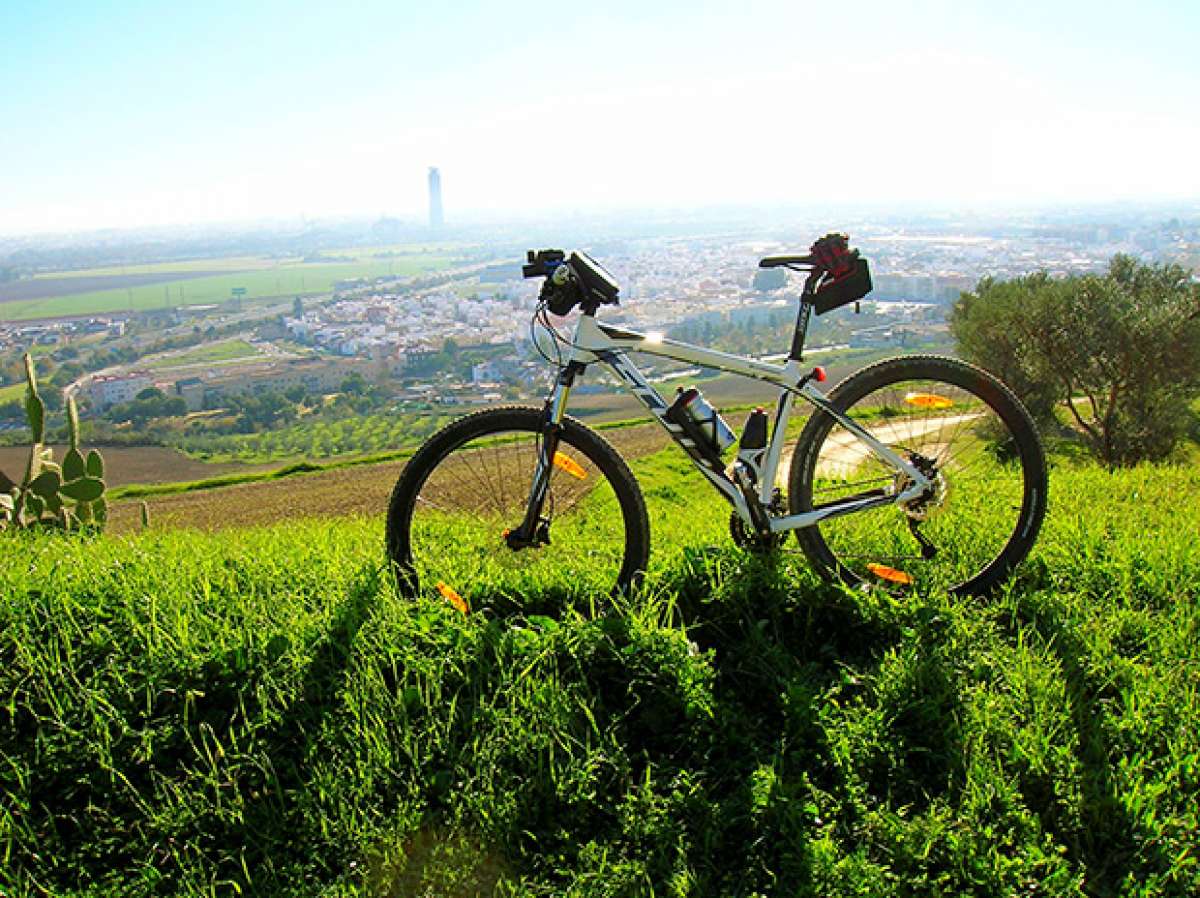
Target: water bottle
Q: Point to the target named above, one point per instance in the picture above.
(712, 426)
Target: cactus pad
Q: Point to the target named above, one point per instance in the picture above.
(73, 466)
(85, 489)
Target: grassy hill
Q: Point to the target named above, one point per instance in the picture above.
(255, 711)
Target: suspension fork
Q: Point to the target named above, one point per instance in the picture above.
(534, 529)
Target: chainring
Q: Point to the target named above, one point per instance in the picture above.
(744, 538)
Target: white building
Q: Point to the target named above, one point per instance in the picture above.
(113, 389)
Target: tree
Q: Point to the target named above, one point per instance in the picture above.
(66, 373)
(355, 383)
(1120, 351)
(992, 326)
(149, 404)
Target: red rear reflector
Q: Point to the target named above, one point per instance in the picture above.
(820, 373)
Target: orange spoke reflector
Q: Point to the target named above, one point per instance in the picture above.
(569, 465)
(928, 400)
(452, 597)
(890, 574)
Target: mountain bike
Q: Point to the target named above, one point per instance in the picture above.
(916, 472)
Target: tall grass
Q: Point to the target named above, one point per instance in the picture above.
(258, 712)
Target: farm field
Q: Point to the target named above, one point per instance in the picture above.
(221, 351)
(724, 391)
(389, 431)
(257, 711)
(188, 266)
(48, 287)
(358, 490)
(283, 279)
(321, 439)
(132, 464)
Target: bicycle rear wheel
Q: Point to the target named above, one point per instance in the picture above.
(468, 486)
(957, 424)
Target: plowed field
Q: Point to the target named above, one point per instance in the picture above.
(133, 464)
(345, 491)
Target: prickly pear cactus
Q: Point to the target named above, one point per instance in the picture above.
(70, 496)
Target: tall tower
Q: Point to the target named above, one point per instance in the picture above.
(435, 198)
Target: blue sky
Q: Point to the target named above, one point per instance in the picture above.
(129, 113)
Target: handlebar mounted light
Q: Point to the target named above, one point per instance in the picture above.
(578, 280)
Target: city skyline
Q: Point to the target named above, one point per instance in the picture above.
(131, 117)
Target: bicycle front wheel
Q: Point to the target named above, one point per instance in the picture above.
(464, 490)
(962, 428)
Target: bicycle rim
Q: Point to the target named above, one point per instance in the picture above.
(979, 518)
(475, 491)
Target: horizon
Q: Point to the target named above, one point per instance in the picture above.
(767, 217)
(340, 118)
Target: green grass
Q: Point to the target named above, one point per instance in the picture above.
(223, 351)
(259, 713)
(11, 392)
(284, 280)
(230, 263)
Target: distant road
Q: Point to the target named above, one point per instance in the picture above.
(46, 288)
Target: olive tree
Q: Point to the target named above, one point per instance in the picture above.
(1120, 352)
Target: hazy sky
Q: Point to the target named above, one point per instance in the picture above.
(132, 113)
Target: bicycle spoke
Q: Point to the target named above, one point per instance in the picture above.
(967, 514)
(454, 527)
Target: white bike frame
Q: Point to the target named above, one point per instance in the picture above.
(594, 342)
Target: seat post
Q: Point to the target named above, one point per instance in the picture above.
(802, 315)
